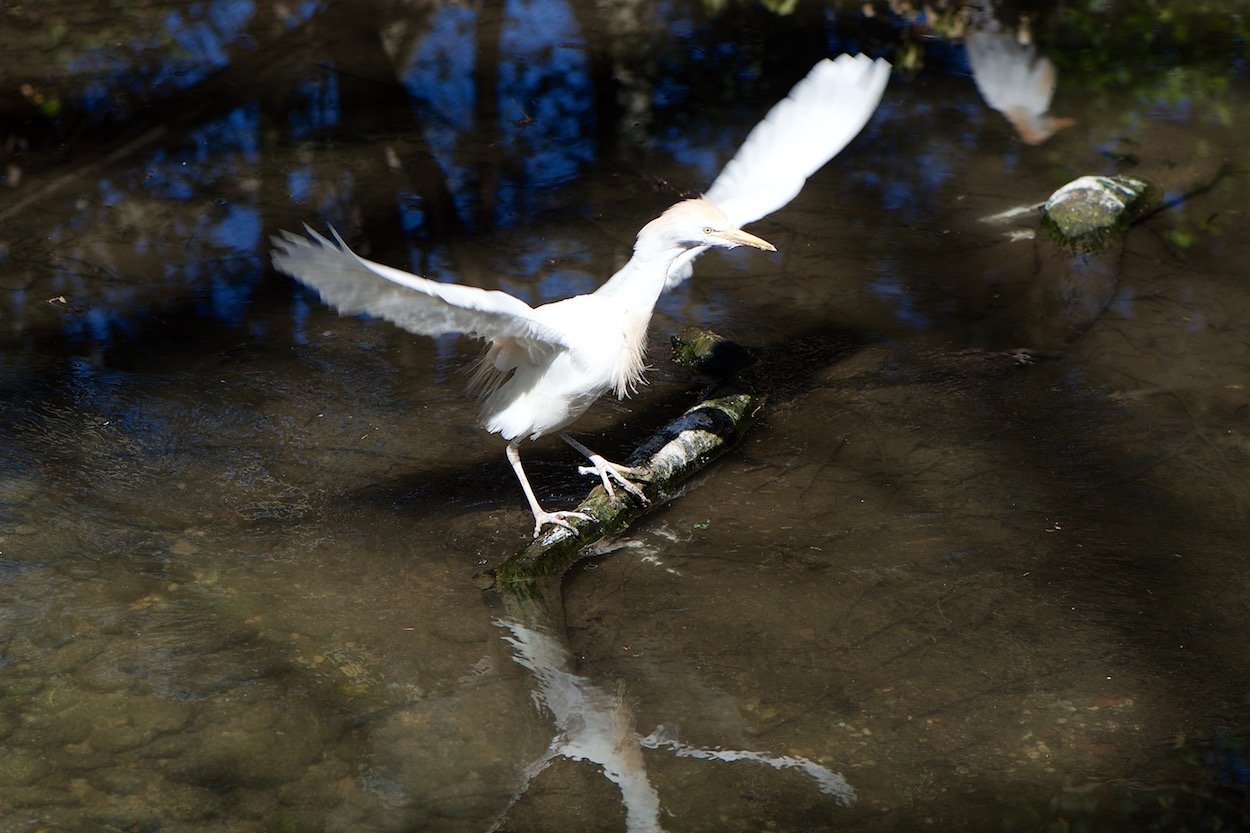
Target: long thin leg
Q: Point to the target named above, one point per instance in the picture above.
(607, 470)
(541, 516)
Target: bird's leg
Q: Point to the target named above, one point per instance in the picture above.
(607, 471)
(541, 516)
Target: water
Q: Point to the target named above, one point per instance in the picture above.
(981, 575)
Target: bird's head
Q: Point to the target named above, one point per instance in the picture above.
(692, 224)
(1034, 129)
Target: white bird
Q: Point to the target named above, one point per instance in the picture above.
(1014, 80)
(544, 366)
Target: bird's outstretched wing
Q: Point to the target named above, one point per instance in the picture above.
(351, 284)
(822, 114)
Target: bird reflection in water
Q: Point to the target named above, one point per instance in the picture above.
(1013, 79)
(544, 366)
(597, 727)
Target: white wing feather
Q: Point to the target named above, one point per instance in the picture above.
(810, 126)
(352, 285)
(822, 114)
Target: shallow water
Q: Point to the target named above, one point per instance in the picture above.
(989, 571)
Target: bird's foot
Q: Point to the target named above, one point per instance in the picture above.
(541, 519)
(609, 472)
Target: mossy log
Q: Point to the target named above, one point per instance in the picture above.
(668, 459)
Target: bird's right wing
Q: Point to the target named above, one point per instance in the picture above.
(822, 114)
(352, 285)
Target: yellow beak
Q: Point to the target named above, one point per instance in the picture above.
(738, 237)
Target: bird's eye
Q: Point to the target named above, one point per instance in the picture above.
(708, 229)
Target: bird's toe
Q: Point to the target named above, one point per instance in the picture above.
(558, 519)
(612, 473)
(619, 475)
(635, 490)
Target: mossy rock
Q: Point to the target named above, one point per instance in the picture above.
(1089, 212)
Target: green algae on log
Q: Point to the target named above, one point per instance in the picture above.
(1089, 212)
(709, 353)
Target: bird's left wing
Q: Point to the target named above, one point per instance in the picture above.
(803, 131)
(352, 285)
(822, 114)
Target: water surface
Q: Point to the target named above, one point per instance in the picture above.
(991, 575)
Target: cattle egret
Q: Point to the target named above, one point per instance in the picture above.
(1014, 80)
(544, 366)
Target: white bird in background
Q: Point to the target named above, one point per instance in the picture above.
(1014, 80)
(544, 366)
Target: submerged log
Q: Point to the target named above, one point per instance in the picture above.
(668, 459)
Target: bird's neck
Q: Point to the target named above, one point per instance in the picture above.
(639, 282)
(633, 292)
